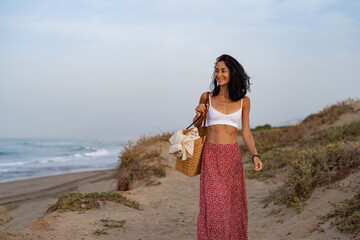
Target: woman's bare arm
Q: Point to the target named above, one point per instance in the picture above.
(247, 135)
(200, 109)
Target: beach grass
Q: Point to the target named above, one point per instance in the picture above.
(314, 167)
(346, 215)
(5, 223)
(108, 224)
(279, 156)
(141, 161)
(309, 155)
(331, 113)
(85, 201)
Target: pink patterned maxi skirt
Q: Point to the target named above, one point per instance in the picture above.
(223, 211)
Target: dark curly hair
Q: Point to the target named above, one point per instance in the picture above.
(239, 83)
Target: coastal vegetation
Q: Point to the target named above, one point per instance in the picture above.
(85, 201)
(142, 161)
(5, 223)
(314, 153)
(346, 214)
(108, 224)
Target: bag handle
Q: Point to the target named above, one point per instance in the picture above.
(205, 115)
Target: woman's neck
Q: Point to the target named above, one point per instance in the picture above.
(224, 91)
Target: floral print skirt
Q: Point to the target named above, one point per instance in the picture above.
(223, 210)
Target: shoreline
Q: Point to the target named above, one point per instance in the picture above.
(55, 174)
(28, 199)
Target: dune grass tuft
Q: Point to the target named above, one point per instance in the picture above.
(346, 214)
(85, 201)
(141, 161)
(331, 113)
(149, 140)
(5, 223)
(315, 167)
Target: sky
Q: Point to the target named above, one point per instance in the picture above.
(109, 69)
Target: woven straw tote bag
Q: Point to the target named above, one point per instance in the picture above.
(192, 166)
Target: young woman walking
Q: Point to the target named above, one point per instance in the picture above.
(223, 205)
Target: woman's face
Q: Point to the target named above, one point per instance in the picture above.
(222, 73)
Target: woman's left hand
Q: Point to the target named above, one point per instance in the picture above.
(258, 164)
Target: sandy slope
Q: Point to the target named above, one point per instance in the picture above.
(170, 212)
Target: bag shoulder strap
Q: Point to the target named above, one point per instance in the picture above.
(205, 115)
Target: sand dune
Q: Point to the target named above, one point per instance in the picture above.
(168, 210)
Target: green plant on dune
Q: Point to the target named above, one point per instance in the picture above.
(108, 224)
(272, 162)
(279, 156)
(347, 132)
(346, 214)
(111, 223)
(99, 231)
(315, 167)
(85, 201)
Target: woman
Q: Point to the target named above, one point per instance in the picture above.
(223, 205)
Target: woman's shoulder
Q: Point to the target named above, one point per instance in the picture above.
(204, 96)
(246, 101)
(246, 98)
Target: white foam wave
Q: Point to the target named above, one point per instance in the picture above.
(100, 152)
(9, 164)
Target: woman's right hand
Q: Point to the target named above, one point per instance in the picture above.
(200, 109)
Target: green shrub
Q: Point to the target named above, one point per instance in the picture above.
(347, 215)
(315, 167)
(272, 162)
(347, 132)
(81, 202)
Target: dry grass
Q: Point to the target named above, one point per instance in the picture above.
(5, 223)
(331, 113)
(141, 161)
(150, 140)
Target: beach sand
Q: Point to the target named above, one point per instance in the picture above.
(169, 210)
(27, 200)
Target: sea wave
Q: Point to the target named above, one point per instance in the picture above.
(100, 152)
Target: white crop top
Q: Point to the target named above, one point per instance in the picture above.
(215, 117)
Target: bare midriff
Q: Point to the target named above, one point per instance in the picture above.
(221, 134)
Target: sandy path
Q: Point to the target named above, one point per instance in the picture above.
(170, 212)
(28, 199)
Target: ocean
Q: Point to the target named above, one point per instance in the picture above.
(31, 158)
